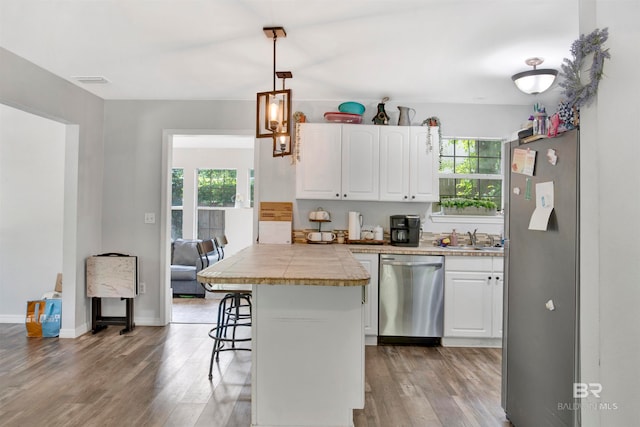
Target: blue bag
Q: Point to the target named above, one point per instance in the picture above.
(51, 318)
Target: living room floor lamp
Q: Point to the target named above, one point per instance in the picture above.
(273, 115)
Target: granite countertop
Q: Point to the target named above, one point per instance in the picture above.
(423, 249)
(298, 264)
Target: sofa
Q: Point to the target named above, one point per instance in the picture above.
(185, 264)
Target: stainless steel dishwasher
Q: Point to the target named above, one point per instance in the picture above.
(411, 309)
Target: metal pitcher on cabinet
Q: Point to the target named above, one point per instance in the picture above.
(405, 116)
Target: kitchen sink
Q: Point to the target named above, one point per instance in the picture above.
(463, 248)
(491, 248)
(475, 248)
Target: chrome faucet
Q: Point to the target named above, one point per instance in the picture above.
(474, 239)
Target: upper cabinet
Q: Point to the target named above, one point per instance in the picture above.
(367, 162)
(318, 174)
(394, 163)
(360, 162)
(338, 162)
(409, 164)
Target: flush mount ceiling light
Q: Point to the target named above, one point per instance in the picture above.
(534, 81)
(273, 115)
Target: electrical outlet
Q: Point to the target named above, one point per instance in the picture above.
(149, 218)
(142, 288)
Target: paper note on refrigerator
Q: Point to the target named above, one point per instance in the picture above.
(524, 161)
(544, 206)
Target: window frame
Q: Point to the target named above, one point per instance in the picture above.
(438, 216)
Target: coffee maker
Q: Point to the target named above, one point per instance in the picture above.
(405, 230)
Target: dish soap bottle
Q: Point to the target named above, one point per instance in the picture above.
(454, 238)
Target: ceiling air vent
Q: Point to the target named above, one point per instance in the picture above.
(91, 80)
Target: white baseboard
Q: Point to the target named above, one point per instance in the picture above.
(82, 329)
(148, 321)
(370, 340)
(10, 318)
(74, 333)
(471, 342)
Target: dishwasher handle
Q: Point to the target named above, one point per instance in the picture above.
(413, 264)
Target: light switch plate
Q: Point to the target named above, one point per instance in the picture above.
(149, 218)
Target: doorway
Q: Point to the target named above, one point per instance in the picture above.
(38, 205)
(211, 189)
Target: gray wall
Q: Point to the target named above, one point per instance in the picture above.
(133, 166)
(609, 267)
(30, 88)
(133, 169)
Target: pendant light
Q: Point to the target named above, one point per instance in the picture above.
(534, 81)
(273, 115)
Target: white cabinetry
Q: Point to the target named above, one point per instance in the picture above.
(409, 164)
(370, 306)
(338, 162)
(473, 301)
(394, 162)
(318, 175)
(360, 162)
(498, 296)
(424, 185)
(367, 162)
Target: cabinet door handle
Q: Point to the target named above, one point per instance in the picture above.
(405, 197)
(337, 194)
(489, 277)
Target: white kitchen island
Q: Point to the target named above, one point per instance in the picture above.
(307, 331)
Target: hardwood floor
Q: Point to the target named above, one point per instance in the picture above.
(431, 387)
(195, 310)
(157, 376)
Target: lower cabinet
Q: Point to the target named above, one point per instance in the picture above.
(473, 300)
(370, 306)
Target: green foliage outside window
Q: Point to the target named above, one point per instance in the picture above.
(176, 224)
(177, 197)
(216, 187)
(461, 159)
(177, 187)
(252, 182)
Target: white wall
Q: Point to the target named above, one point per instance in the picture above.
(610, 271)
(32, 155)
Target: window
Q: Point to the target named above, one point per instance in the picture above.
(471, 168)
(177, 197)
(252, 181)
(216, 187)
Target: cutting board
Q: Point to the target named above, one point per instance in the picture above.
(274, 232)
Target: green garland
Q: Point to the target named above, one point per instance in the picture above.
(430, 122)
(577, 94)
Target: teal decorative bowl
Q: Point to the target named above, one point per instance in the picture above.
(351, 107)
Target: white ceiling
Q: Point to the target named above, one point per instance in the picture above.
(453, 51)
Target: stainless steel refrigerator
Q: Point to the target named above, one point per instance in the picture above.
(540, 343)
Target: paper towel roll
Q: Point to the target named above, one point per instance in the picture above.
(355, 222)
